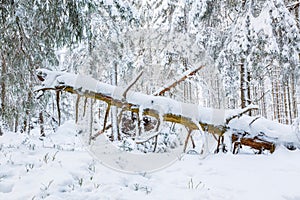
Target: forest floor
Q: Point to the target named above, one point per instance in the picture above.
(59, 167)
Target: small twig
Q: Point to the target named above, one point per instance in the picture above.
(262, 96)
(253, 121)
(147, 139)
(293, 5)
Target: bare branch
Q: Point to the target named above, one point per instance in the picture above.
(245, 110)
(176, 82)
(131, 84)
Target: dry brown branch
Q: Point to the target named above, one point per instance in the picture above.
(101, 132)
(131, 84)
(58, 107)
(77, 108)
(176, 82)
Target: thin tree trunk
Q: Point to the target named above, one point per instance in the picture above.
(294, 98)
(41, 122)
(264, 100)
(16, 122)
(285, 105)
(248, 90)
(77, 108)
(91, 121)
(114, 110)
(58, 107)
(277, 101)
(289, 101)
(293, 77)
(26, 122)
(3, 86)
(274, 100)
(84, 106)
(243, 85)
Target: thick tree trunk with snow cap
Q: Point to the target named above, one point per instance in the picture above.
(192, 116)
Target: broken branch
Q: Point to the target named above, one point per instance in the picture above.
(176, 82)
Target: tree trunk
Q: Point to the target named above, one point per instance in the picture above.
(277, 102)
(274, 104)
(243, 85)
(107, 95)
(289, 101)
(114, 111)
(16, 122)
(41, 122)
(77, 108)
(263, 104)
(58, 107)
(249, 90)
(27, 118)
(3, 89)
(254, 142)
(286, 112)
(294, 98)
(91, 121)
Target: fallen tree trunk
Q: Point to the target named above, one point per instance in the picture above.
(193, 117)
(190, 115)
(260, 144)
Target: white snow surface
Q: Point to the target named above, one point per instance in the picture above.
(60, 168)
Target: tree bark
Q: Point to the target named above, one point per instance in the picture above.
(114, 111)
(3, 86)
(254, 142)
(294, 98)
(249, 90)
(289, 102)
(77, 108)
(286, 112)
(243, 85)
(91, 119)
(58, 107)
(41, 122)
(179, 113)
(109, 98)
(16, 123)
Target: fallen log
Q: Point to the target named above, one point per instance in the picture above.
(255, 142)
(192, 116)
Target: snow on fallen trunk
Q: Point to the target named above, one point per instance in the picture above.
(216, 121)
(281, 132)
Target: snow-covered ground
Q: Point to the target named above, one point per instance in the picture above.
(60, 168)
